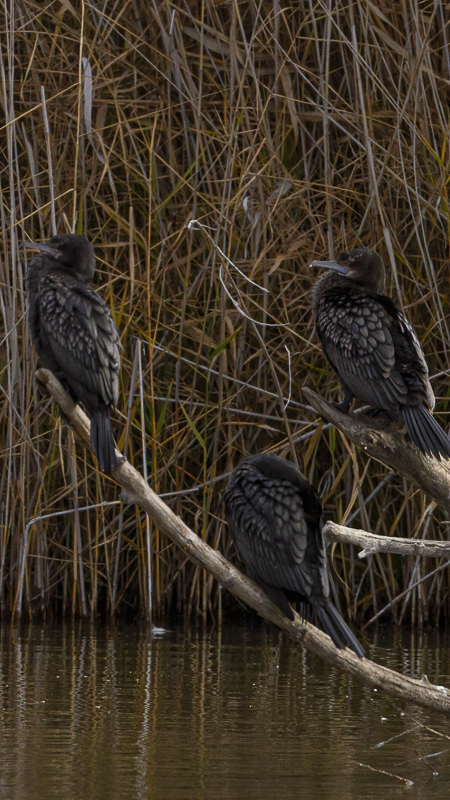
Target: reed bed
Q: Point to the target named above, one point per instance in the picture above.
(209, 150)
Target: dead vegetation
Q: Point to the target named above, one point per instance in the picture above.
(289, 133)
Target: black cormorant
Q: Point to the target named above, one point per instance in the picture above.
(373, 348)
(275, 520)
(74, 334)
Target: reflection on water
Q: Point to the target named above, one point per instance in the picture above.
(240, 713)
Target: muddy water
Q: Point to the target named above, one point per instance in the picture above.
(240, 713)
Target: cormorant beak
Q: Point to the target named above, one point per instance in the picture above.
(341, 268)
(43, 248)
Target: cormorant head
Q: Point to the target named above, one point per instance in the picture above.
(273, 466)
(362, 266)
(71, 249)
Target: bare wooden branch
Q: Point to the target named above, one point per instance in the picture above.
(372, 543)
(390, 447)
(135, 490)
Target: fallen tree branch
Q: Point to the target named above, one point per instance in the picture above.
(387, 544)
(390, 447)
(136, 490)
(373, 543)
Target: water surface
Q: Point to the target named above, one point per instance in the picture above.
(242, 712)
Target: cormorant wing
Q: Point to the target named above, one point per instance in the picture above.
(82, 335)
(268, 525)
(409, 353)
(359, 336)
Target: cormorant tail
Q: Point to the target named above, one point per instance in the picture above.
(102, 440)
(425, 432)
(338, 630)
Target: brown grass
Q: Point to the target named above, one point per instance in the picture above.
(292, 133)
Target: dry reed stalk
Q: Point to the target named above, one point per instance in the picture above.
(289, 131)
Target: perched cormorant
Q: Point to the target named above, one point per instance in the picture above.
(74, 334)
(373, 348)
(275, 520)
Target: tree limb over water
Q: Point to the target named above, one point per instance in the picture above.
(136, 490)
(388, 445)
(372, 543)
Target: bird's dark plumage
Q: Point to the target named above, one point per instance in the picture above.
(74, 334)
(373, 348)
(275, 520)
